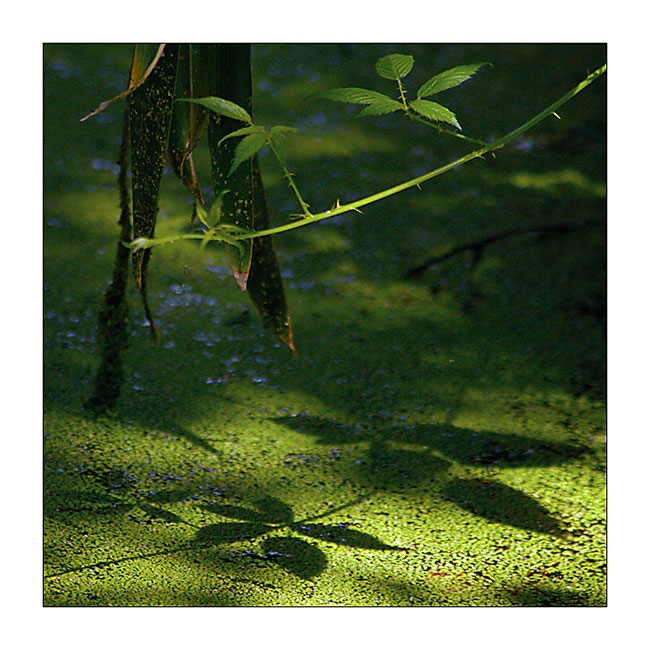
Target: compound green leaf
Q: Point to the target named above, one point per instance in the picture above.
(278, 135)
(354, 95)
(434, 112)
(247, 148)
(449, 79)
(247, 130)
(394, 66)
(222, 107)
(381, 106)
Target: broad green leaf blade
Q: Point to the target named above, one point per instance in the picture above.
(394, 66)
(449, 79)
(381, 107)
(229, 76)
(282, 130)
(278, 135)
(434, 112)
(222, 107)
(188, 119)
(244, 131)
(354, 95)
(247, 148)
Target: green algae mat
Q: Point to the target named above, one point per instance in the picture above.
(438, 440)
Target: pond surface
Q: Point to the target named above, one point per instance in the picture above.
(438, 441)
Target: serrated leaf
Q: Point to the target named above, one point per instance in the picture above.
(247, 130)
(434, 112)
(381, 107)
(246, 149)
(354, 95)
(278, 135)
(394, 66)
(282, 130)
(222, 107)
(449, 79)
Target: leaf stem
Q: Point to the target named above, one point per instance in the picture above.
(402, 95)
(289, 176)
(440, 129)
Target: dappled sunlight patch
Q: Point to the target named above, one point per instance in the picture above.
(556, 183)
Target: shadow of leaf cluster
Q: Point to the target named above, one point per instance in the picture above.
(490, 499)
(476, 448)
(297, 556)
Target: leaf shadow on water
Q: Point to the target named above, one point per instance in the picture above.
(477, 448)
(297, 556)
(538, 596)
(489, 499)
(502, 504)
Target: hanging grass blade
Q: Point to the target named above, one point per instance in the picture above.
(265, 283)
(114, 315)
(229, 74)
(188, 119)
(255, 267)
(150, 110)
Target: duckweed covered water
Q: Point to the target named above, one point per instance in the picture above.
(438, 442)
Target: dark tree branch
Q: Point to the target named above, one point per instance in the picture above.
(477, 247)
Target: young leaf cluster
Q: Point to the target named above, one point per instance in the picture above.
(254, 137)
(396, 67)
